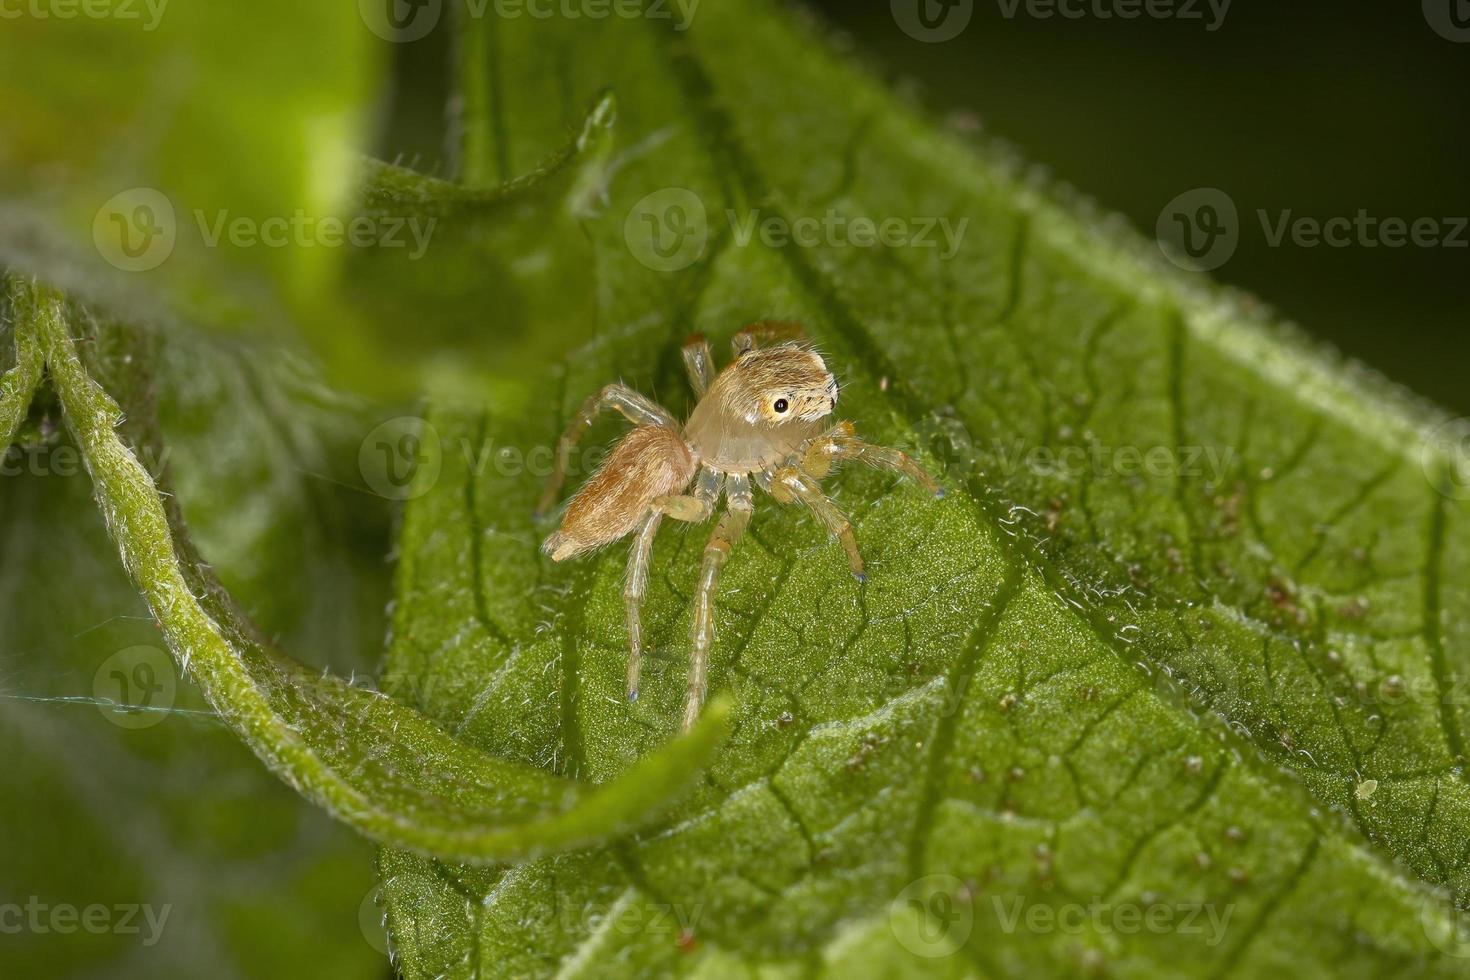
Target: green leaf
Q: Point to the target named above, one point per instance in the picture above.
(383, 769)
(19, 381)
(149, 211)
(159, 805)
(498, 259)
(1186, 644)
(135, 205)
(193, 199)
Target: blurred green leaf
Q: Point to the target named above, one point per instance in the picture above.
(20, 379)
(381, 768)
(196, 200)
(1187, 645)
(137, 134)
(154, 802)
(502, 282)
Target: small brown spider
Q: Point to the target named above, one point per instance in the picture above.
(760, 420)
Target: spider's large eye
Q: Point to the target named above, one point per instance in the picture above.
(781, 406)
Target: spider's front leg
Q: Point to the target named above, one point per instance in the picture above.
(620, 398)
(727, 533)
(792, 484)
(766, 332)
(699, 363)
(841, 443)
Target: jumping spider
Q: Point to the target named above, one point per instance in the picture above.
(761, 420)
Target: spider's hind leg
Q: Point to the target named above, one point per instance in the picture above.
(726, 535)
(634, 589)
(620, 398)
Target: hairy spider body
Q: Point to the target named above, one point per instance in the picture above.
(650, 462)
(764, 420)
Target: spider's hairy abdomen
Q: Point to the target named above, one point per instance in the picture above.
(651, 461)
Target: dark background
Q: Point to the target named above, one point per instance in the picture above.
(1323, 108)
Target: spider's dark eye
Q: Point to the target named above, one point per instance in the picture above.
(780, 406)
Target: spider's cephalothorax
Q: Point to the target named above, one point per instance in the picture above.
(763, 420)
